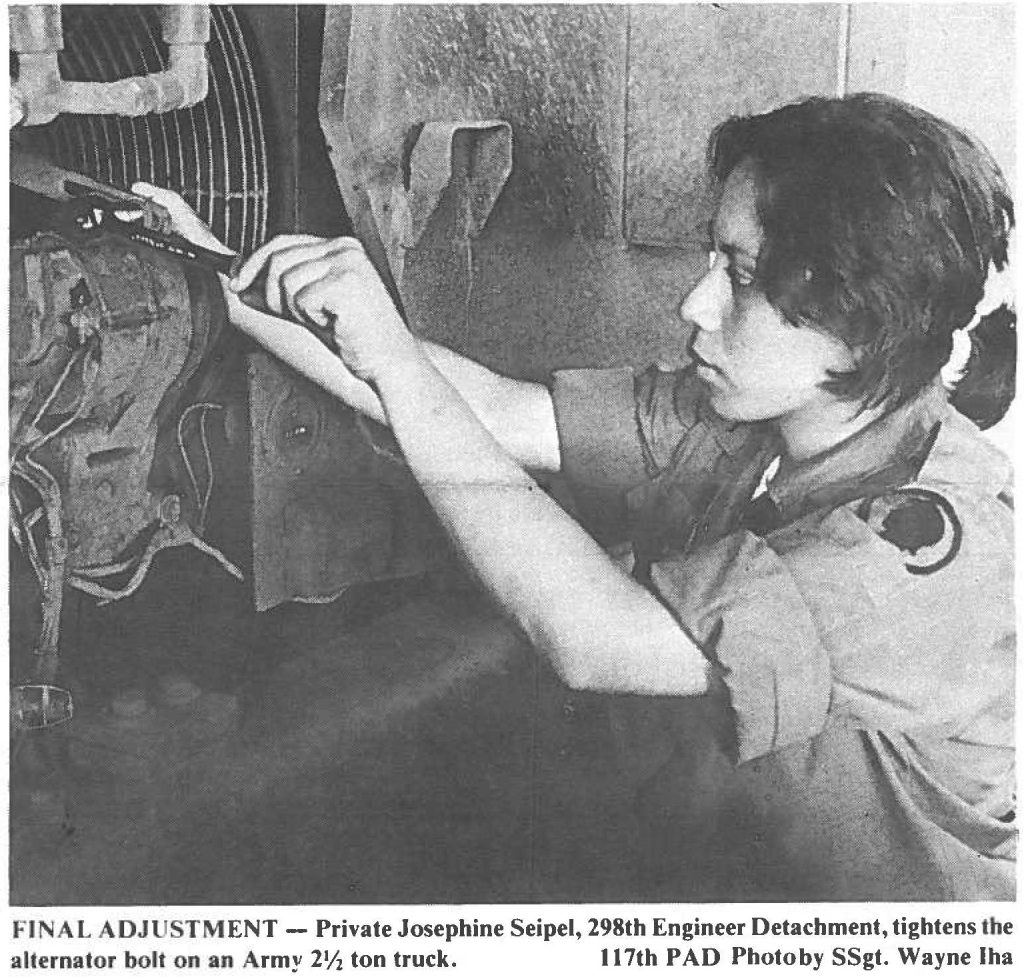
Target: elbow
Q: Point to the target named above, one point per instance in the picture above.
(572, 660)
(574, 672)
(588, 665)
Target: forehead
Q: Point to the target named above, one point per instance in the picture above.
(736, 224)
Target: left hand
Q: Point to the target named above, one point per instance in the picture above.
(184, 220)
(331, 283)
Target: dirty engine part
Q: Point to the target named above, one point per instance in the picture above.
(108, 465)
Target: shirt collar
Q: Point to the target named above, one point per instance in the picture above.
(889, 452)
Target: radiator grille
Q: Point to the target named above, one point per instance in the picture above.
(214, 154)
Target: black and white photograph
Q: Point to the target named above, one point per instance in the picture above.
(512, 454)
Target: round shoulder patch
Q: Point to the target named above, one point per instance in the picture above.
(922, 523)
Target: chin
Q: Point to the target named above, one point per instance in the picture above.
(730, 407)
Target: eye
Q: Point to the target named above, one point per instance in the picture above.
(738, 277)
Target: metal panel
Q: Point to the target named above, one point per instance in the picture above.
(519, 294)
(329, 510)
(554, 72)
(690, 67)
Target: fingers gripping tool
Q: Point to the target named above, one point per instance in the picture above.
(94, 215)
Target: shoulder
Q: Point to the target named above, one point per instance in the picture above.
(954, 519)
(915, 531)
(923, 569)
(921, 523)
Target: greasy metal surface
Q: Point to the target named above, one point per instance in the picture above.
(547, 282)
(555, 73)
(474, 157)
(690, 67)
(526, 302)
(329, 511)
(140, 311)
(471, 159)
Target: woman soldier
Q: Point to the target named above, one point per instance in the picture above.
(855, 608)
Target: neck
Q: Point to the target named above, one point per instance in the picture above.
(817, 428)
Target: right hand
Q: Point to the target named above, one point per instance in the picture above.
(331, 283)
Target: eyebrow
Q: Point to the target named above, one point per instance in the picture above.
(731, 251)
(735, 253)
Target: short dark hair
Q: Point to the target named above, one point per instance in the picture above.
(880, 223)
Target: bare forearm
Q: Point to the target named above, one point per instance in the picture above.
(297, 347)
(600, 629)
(519, 415)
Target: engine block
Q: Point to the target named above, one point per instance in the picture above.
(105, 336)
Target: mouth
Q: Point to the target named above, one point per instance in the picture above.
(707, 371)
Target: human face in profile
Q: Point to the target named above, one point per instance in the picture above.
(757, 365)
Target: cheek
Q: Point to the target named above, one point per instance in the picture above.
(771, 360)
(756, 341)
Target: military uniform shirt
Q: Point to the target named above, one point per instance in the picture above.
(860, 615)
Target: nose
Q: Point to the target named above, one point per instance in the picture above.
(706, 304)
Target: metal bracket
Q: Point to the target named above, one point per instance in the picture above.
(471, 158)
(474, 158)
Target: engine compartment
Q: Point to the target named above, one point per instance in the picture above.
(106, 338)
(302, 699)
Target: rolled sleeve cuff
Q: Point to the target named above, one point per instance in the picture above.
(739, 602)
(600, 445)
(595, 411)
(775, 706)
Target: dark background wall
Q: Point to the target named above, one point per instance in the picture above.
(601, 227)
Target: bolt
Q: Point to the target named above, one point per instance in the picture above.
(170, 509)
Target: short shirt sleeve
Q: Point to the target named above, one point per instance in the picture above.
(600, 443)
(909, 650)
(824, 621)
(738, 600)
(644, 453)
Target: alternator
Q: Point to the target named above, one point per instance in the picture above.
(104, 335)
